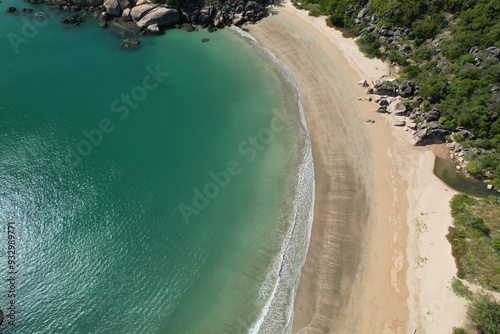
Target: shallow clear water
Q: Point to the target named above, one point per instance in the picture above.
(162, 190)
(446, 171)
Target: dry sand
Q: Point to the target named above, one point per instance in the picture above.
(362, 273)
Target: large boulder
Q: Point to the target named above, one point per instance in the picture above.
(113, 7)
(429, 136)
(126, 14)
(124, 4)
(489, 52)
(138, 12)
(362, 13)
(433, 115)
(161, 16)
(406, 88)
(399, 109)
(385, 90)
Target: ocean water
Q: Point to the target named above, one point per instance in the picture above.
(165, 189)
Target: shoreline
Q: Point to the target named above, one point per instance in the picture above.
(360, 274)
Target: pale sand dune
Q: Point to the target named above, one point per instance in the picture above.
(360, 274)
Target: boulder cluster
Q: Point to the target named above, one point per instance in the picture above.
(72, 19)
(425, 125)
(153, 18)
(462, 155)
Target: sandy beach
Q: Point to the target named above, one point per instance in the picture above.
(370, 267)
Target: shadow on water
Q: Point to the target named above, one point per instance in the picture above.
(445, 170)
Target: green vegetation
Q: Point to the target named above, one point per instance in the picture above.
(475, 240)
(440, 35)
(458, 330)
(484, 313)
(460, 289)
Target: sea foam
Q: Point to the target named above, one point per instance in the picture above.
(279, 291)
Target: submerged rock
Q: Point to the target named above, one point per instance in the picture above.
(188, 27)
(129, 42)
(10, 9)
(74, 19)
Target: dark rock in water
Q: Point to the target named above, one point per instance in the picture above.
(188, 27)
(10, 9)
(27, 10)
(204, 40)
(124, 27)
(74, 19)
(103, 18)
(129, 42)
(71, 4)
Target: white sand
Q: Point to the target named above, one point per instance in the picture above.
(361, 273)
(436, 309)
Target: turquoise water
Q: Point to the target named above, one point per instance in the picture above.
(166, 189)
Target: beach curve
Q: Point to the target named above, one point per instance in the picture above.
(357, 277)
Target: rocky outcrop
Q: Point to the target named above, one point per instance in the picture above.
(76, 3)
(490, 52)
(127, 43)
(392, 88)
(138, 12)
(72, 19)
(161, 16)
(399, 109)
(113, 7)
(428, 136)
(433, 115)
(10, 9)
(153, 29)
(145, 15)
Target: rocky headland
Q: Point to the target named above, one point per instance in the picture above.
(139, 17)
